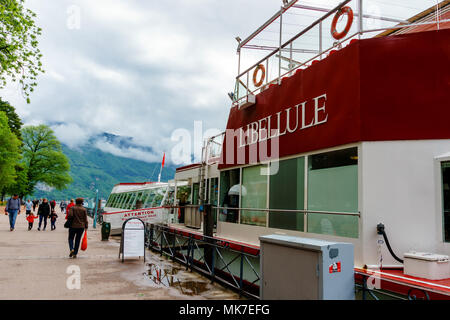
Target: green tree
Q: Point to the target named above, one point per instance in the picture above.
(15, 124)
(20, 57)
(43, 158)
(9, 153)
(20, 184)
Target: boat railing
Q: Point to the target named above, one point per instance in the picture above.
(315, 42)
(227, 262)
(356, 214)
(235, 264)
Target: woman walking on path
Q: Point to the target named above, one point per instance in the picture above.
(12, 209)
(77, 215)
(43, 213)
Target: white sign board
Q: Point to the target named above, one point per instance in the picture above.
(133, 239)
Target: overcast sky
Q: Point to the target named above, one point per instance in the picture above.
(140, 69)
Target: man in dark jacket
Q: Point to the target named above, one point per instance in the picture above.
(43, 213)
(12, 209)
(77, 216)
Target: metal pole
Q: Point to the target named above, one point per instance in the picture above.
(360, 18)
(239, 72)
(320, 39)
(279, 50)
(96, 209)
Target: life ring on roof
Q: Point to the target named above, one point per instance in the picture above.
(344, 10)
(255, 74)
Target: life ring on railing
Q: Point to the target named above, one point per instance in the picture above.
(255, 74)
(344, 10)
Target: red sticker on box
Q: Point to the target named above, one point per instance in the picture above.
(335, 267)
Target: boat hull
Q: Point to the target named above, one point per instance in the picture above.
(147, 215)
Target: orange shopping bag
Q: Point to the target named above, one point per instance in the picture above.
(84, 242)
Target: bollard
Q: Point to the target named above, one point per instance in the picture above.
(106, 229)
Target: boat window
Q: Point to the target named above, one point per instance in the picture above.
(287, 191)
(144, 197)
(229, 195)
(159, 195)
(134, 197)
(446, 199)
(110, 200)
(214, 195)
(120, 197)
(333, 187)
(183, 194)
(126, 201)
(123, 201)
(127, 204)
(149, 199)
(169, 198)
(254, 195)
(136, 200)
(214, 191)
(195, 191)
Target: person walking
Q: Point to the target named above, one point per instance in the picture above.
(62, 206)
(43, 213)
(12, 209)
(35, 203)
(53, 204)
(30, 219)
(53, 217)
(77, 215)
(70, 205)
(28, 207)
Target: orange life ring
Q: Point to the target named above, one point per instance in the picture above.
(343, 10)
(263, 75)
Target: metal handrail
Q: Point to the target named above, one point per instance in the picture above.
(357, 214)
(176, 252)
(296, 36)
(337, 44)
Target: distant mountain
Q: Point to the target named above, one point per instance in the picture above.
(92, 168)
(118, 141)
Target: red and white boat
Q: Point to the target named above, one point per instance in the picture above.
(331, 134)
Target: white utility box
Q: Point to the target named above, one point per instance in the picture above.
(294, 268)
(426, 265)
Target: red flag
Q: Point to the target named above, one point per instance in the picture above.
(164, 158)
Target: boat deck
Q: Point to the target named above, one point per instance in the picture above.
(393, 280)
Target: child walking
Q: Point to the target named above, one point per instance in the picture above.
(53, 217)
(30, 219)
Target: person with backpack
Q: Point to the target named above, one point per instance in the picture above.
(12, 209)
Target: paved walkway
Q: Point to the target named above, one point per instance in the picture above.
(35, 265)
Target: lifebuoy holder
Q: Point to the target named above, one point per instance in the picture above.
(259, 82)
(344, 10)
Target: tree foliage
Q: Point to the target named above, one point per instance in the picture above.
(43, 158)
(9, 153)
(15, 124)
(20, 57)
